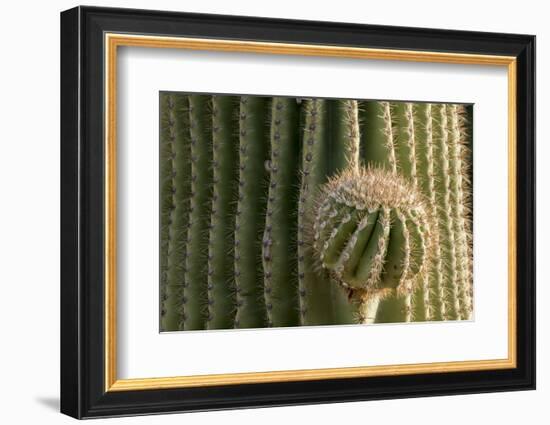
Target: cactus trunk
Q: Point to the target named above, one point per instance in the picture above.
(284, 212)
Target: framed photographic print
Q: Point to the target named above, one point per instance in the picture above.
(262, 212)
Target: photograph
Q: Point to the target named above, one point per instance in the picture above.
(262, 211)
(287, 211)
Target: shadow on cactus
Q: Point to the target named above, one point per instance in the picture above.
(278, 211)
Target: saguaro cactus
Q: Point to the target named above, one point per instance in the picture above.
(284, 212)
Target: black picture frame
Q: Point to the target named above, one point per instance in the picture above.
(83, 392)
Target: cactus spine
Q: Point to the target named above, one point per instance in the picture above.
(196, 279)
(280, 268)
(221, 279)
(253, 153)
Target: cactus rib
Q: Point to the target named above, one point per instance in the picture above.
(437, 305)
(249, 225)
(459, 207)
(446, 217)
(221, 283)
(280, 277)
(196, 280)
(314, 289)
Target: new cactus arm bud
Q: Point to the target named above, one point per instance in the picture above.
(377, 202)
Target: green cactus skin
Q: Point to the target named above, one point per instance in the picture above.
(174, 190)
(166, 203)
(196, 279)
(404, 122)
(378, 135)
(459, 172)
(445, 214)
(434, 309)
(221, 277)
(314, 288)
(249, 226)
(344, 135)
(180, 148)
(280, 268)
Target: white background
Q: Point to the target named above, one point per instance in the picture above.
(144, 72)
(29, 225)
